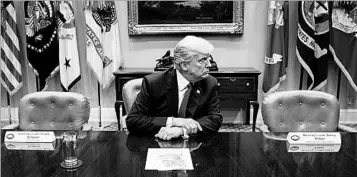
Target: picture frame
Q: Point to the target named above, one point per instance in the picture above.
(190, 18)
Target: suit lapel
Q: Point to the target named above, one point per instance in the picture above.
(172, 93)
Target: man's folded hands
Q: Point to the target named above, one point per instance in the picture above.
(189, 124)
(168, 133)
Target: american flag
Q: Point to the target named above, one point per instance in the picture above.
(11, 75)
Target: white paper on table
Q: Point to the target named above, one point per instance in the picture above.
(168, 159)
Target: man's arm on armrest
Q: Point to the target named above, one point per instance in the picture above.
(138, 121)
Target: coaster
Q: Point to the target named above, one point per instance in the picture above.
(79, 163)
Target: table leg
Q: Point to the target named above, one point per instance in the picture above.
(247, 115)
(255, 105)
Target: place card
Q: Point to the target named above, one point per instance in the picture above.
(313, 147)
(32, 136)
(29, 146)
(168, 159)
(314, 137)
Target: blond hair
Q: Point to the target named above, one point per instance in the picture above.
(190, 47)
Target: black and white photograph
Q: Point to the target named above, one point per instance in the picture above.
(104, 88)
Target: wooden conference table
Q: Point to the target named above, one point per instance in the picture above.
(107, 154)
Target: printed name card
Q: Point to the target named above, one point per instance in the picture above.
(168, 159)
(313, 147)
(33, 136)
(314, 138)
(29, 146)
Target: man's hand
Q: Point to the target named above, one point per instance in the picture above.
(167, 133)
(191, 125)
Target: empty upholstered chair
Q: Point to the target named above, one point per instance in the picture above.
(53, 111)
(301, 110)
(130, 91)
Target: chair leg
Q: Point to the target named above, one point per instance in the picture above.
(255, 105)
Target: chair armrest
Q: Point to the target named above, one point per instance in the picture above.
(86, 127)
(11, 127)
(264, 128)
(255, 105)
(345, 128)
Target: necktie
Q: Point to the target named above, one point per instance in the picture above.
(182, 110)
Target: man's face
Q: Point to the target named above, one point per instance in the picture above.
(197, 68)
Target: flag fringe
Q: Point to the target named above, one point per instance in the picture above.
(2, 12)
(348, 6)
(344, 3)
(94, 5)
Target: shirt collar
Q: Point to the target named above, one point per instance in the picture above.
(181, 81)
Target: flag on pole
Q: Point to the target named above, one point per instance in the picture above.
(313, 40)
(102, 40)
(276, 55)
(11, 75)
(70, 72)
(41, 39)
(344, 39)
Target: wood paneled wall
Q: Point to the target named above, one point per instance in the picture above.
(89, 87)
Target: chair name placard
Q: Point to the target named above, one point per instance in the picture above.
(314, 138)
(33, 136)
(29, 146)
(313, 147)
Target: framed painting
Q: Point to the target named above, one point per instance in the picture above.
(170, 17)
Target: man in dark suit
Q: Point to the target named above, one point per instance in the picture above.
(182, 100)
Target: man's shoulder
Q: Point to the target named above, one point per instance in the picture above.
(210, 80)
(158, 77)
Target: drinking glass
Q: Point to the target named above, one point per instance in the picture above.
(69, 150)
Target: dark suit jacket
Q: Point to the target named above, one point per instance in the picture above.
(158, 99)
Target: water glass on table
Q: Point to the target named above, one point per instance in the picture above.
(69, 150)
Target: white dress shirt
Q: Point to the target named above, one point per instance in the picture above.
(182, 87)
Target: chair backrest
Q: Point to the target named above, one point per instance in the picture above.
(130, 91)
(301, 110)
(53, 111)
